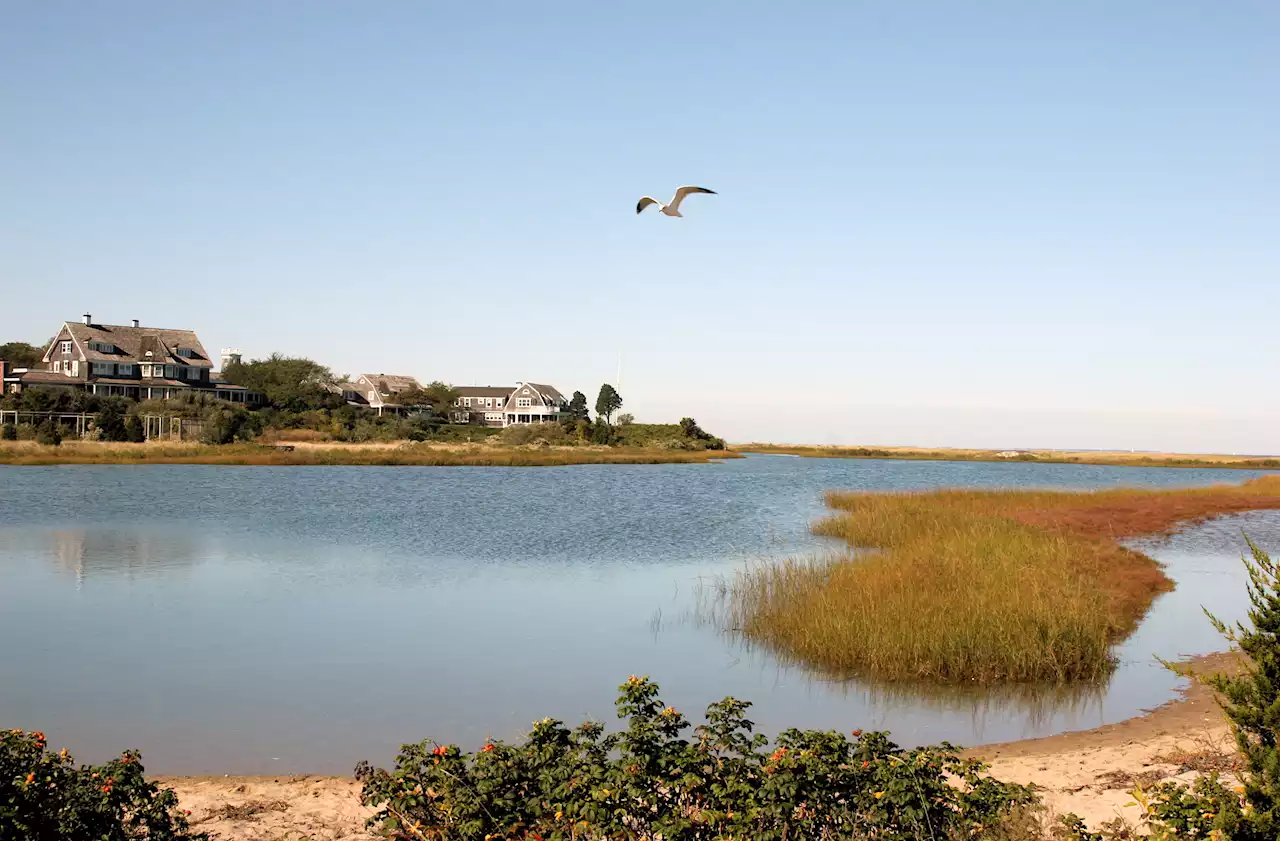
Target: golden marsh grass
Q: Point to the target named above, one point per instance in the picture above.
(473, 455)
(1117, 459)
(975, 586)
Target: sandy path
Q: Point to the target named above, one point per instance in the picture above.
(1089, 773)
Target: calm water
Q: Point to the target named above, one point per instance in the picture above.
(274, 620)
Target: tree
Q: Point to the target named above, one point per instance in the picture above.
(110, 422)
(49, 434)
(436, 397)
(133, 431)
(1251, 700)
(578, 407)
(9, 433)
(626, 420)
(289, 383)
(21, 354)
(227, 424)
(608, 402)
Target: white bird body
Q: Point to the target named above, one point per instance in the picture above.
(671, 208)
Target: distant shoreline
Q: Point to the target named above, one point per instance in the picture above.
(288, 454)
(1104, 458)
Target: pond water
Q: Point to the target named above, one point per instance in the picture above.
(246, 620)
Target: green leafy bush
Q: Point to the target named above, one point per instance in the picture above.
(133, 431)
(648, 782)
(531, 433)
(9, 432)
(45, 796)
(49, 434)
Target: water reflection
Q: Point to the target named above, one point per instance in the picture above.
(82, 552)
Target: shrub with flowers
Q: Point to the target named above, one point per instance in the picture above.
(45, 796)
(648, 781)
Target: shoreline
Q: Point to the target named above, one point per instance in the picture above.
(1102, 458)
(300, 454)
(1088, 772)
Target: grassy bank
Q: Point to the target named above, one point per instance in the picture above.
(1119, 459)
(975, 586)
(475, 455)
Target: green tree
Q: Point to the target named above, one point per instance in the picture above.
(578, 407)
(133, 431)
(49, 433)
(228, 424)
(608, 402)
(9, 433)
(110, 421)
(435, 397)
(289, 383)
(1251, 700)
(21, 354)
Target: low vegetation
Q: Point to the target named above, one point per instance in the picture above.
(408, 454)
(1041, 456)
(651, 781)
(45, 795)
(974, 586)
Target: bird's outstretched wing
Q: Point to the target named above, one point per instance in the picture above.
(684, 191)
(645, 202)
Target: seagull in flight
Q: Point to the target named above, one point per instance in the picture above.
(672, 209)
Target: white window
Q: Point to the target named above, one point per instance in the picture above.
(66, 347)
(57, 366)
(497, 402)
(493, 417)
(466, 401)
(524, 402)
(373, 397)
(75, 368)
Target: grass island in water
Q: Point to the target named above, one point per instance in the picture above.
(975, 586)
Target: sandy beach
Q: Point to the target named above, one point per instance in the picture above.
(1090, 773)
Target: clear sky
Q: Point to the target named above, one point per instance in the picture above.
(990, 224)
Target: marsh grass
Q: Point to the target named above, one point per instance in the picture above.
(1114, 459)
(975, 586)
(29, 453)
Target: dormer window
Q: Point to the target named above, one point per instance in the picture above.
(102, 347)
(185, 352)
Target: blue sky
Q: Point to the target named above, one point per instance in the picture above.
(988, 224)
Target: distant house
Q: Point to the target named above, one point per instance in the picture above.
(503, 406)
(378, 391)
(142, 363)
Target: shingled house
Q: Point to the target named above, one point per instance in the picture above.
(378, 391)
(142, 363)
(503, 406)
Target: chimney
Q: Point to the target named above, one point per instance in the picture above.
(135, 323)
(4, 372)
(88, 319)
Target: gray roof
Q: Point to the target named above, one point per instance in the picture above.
(484, 390)
(395, 383)
(133, 343)
(550, 392)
